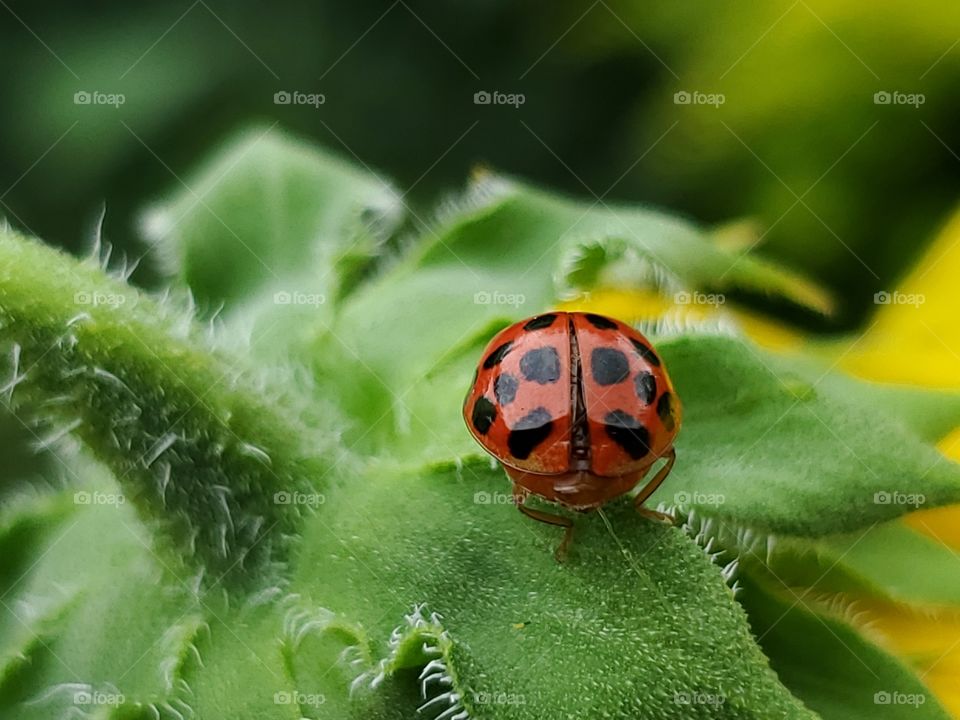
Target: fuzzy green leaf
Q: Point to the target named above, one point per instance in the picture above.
(522, 636)
(766, 447)
(830, 666)
(889, 561)
(271, 212)
(194, 446)
(604, 632)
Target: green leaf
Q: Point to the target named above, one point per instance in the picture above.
(524, 230)
(88, 631)
(27, 533)
(523, 636)
(519, 635)
(193, 445)
(829, 665)
(889, 561)
(764, 445)
(631, 261)
(932, 414)
(272, 212)
(164, 641)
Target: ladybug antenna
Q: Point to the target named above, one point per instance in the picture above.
(623, 549)
(628, 555)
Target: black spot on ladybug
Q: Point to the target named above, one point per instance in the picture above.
(529, 431)
(540, 322)
(646, 385)
(665, 411)
(483, 415)
(599, 321)
(645, 352)
(628, 432)
(608, 366)
(541, 365)
(505, 388)
(494, 358)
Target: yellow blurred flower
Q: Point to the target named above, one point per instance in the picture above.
(929, 642)
(914, 337)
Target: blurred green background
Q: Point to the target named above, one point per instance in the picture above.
(843, 188)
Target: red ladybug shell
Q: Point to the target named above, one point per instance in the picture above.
(538, 374)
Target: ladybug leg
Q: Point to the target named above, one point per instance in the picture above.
(520, 495)
(651, 486)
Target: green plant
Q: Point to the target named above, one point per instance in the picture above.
(279, 514)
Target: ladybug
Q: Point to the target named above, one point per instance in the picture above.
(577, 407)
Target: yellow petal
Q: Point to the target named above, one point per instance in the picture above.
(914, 336)
(943, 523)
(630, 306)
(950, 445)
(635, 306)
(929, 643)
(767, 333)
